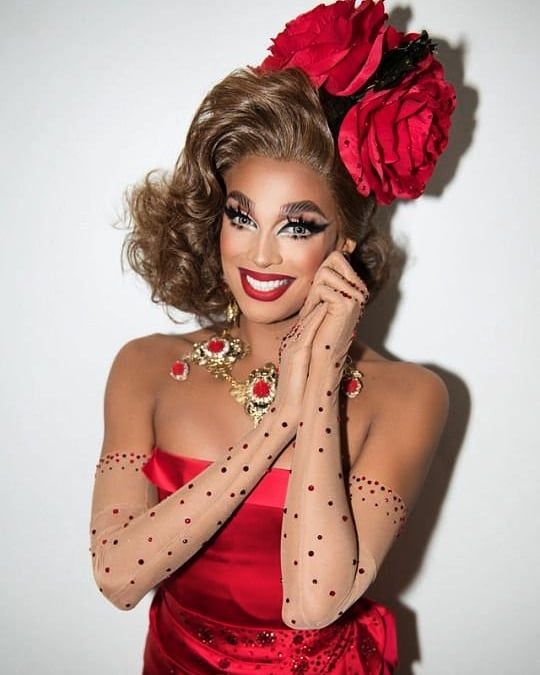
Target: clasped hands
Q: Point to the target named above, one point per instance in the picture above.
(324, 329)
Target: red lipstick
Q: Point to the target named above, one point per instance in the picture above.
(261, 293)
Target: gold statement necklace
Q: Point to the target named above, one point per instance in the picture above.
(257, 392)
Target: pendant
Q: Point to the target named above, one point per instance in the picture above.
(258, 392)
(219, 353)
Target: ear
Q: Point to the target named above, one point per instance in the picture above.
(345, 245)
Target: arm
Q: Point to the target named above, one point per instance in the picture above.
(136, 542)
(337, 530)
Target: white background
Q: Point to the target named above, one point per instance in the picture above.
(94, 94)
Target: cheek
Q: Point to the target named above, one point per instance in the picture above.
(228, 243)
(307, 256)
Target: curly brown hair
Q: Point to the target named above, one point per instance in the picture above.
(174, 219)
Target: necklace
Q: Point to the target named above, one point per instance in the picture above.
(257, 392)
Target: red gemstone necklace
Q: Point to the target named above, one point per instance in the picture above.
(257, 392)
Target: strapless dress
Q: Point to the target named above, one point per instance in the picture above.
(221, 611)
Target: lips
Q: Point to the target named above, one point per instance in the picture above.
(262, 286)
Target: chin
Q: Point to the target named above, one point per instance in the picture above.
(267, 314)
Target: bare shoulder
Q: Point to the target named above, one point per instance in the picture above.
(147, 355)
(400, 384)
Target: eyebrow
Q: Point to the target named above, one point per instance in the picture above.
(289, 209)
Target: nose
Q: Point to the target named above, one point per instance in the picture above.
(265, 251)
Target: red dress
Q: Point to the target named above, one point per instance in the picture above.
(221, 612)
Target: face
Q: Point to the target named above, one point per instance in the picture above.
(279, 224)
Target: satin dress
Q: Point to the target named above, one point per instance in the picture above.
(221, 611)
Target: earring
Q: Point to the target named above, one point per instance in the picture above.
(232, 311)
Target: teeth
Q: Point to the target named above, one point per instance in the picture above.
(266, 285)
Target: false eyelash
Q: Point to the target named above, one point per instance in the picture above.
(233, 212)
(310, 225)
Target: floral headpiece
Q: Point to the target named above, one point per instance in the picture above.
(384, 94)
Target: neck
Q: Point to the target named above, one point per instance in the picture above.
(263, 338)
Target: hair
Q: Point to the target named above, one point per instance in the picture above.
(175, 217)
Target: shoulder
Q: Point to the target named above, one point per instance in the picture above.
(145, 357)
(400, 382)
(409, 402)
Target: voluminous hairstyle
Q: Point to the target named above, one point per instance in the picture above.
(175, 217)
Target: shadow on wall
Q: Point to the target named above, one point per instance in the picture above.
(405, 558)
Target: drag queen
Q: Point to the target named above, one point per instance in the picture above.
(255, 473)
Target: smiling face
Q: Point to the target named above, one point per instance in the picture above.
(279, 224)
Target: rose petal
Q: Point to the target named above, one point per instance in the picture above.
(370, 66)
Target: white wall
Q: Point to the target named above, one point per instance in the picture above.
(94, 95)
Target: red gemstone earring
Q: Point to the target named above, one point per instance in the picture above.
(351, 382)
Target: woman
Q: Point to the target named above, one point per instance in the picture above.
(258, 470)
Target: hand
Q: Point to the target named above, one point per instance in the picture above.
(294, 359)
(337, 286)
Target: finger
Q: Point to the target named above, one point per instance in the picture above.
(339, 305)
(305, 329)
(343, 266)
(309, 324)
(329, 277)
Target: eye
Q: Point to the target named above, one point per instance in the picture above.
(237, 217)
(302, 229)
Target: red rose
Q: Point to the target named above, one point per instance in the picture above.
(338, 46)
(391, 139)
